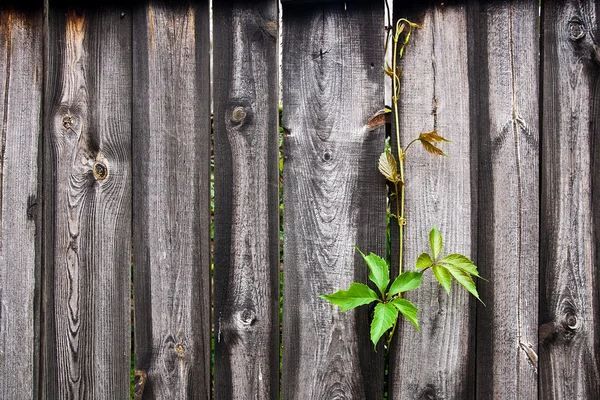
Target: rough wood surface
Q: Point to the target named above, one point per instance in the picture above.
(87, 210)
(246, 200)
(569, 305)
(21, 74)
(505, 75)
(334, 195)
(437, 362)
(171, 215)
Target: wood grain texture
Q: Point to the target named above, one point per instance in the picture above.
(334, 196)
(171, 214)
(505, 75)
(21, 63)
(569, 316)
(87, 209)
(246, 200)
(437, 363)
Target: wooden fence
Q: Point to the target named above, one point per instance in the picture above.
(105, 162)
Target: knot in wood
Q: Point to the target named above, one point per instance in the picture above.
(179, 349)
(100, 171)
(326, 155)
(577, 29)
(247, 317)
(238, 114)
(571, 322)
(67, 121)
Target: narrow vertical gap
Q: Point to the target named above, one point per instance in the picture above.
(541, 11)
(212, 201)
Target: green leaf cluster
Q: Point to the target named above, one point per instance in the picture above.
(390, 302)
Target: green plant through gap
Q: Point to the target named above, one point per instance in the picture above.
(390, 299)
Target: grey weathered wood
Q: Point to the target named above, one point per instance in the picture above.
(21, 64)
(505, 81)
(87, 209)
(437, 362)
(569, 314)
(171, 214)
(334, 195)
(246, 200)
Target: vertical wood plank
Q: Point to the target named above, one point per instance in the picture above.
(246, 200)
(334, 195)
(438, 361)
(171, 155)
(503, 93)
(569, 316)
(21, 63)
(87, 210)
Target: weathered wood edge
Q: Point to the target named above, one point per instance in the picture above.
(504, 71)
(20, 130)
(569, 333)
(332, 85)
(246, 275)
(171, 152)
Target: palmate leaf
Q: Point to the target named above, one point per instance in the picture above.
(408, 309)
(388, 167)
(404, 282)
(357, 294)
(383, 319)
(379, 271)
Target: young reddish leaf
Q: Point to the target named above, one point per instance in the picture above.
(424, 261)
(404, 282)
(432, 149)
(465, 280)
(408, 309)
(377, 120)
(388, 167)
(383, 319)
(443, 277)
(379, 271)
(357, 294)
(432, 137)
(435, 242)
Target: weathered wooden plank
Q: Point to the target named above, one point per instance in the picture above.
(569, 303)
(334, 195)
(87, 202)
(505, 75)
(437, 362)
(246, 200)
(171, 215)
(21, 63)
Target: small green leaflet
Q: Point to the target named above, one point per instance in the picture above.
(461, 262)
(388, 167)
(357, 294)
(406, 281)
(379, 271)
(408, 309)
(383, 319)
(435, 241)
(443, 277)
(424, 261)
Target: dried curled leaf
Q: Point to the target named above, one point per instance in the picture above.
(388, 167)
(377, 119)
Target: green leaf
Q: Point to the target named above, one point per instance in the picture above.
(443, 276)
(379, 271)
(357, 294)
(432, 149)
(408, 309)
(435, 241)
(424, 261)
(388, 167)
(462, 262)
(465, 280)
(383, 319)
(404, 282)
(432, 137)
